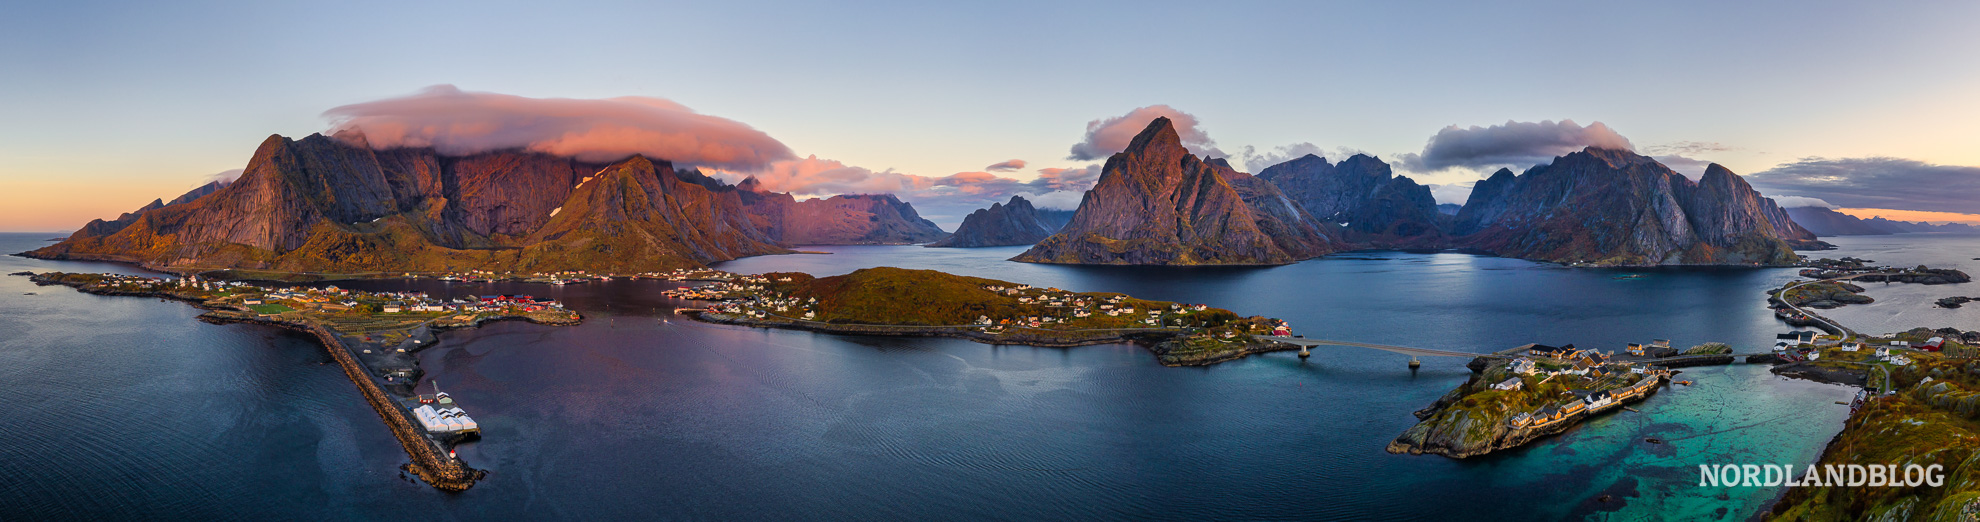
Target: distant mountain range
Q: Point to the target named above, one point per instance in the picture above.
(1826, 222)
(1006, 224)
(335, 206)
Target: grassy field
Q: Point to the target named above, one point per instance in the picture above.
(270, 309)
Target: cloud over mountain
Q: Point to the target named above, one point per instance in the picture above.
(1006, 165)
(1106, 136)
(1876, 182)
(457, 122)
(1516, 144)
(1799, 202)
(1255, 161)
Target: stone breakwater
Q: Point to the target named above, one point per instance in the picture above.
(444, 473)
(427, 454)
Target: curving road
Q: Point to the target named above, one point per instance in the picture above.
(1782, 297)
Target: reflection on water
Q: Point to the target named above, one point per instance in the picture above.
(640, 413)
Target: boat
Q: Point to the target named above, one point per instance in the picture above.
(1686, 383)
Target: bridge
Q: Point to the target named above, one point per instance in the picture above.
(1413, 353)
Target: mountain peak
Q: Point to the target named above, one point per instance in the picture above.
(1160, 132)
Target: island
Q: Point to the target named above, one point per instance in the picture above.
(373, 337)
(928, 303)
(1520, 395)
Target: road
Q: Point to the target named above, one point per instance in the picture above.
(1405, 350)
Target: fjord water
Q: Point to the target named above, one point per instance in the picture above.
(124, 407)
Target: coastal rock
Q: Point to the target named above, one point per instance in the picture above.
(1015, 223)
(1608, 207)
(1157, 204)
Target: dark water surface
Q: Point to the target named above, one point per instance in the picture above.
(129, 408)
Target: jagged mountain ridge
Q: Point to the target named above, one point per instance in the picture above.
(1013, 223)
(1379, 208)
(334, 205)
(1614, 207)
(846, 219)
(1157, 204)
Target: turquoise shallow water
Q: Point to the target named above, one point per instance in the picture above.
(638, 414)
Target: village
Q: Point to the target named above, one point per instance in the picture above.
(760, 297)
(572, 277)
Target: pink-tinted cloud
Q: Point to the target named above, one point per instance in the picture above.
(225, 176)
(1075, 179)
(1517, 144)
(1006, 165)
(457, 122)
(813, 176)
(1104, 137)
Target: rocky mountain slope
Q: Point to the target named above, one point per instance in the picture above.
(851, 219)
(334, 205)
(1003, 224)
(1362, 192)
(1617, 208)
(1157, 204)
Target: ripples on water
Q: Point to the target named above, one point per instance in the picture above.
(120, 407)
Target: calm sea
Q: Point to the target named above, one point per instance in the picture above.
(130, 408)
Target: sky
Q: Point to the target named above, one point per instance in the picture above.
(105, 106)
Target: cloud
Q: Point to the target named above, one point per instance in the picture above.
(1454, 193)
(1006, 165)
(1254, 161)
(1689, 167)
(224, 177)
(1515, 144)
(1799, 202)
(457, 122)
(1075, 179)
(950, 196)
(1692, 148)
(812, 176)
(1058, 200)
(1104, 137)
(1876, 182)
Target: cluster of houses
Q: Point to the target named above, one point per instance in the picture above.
(1656, 348)
(1589, 404)
(1078, 306)
(734, 288)
(747, 296)
(1572, 362)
